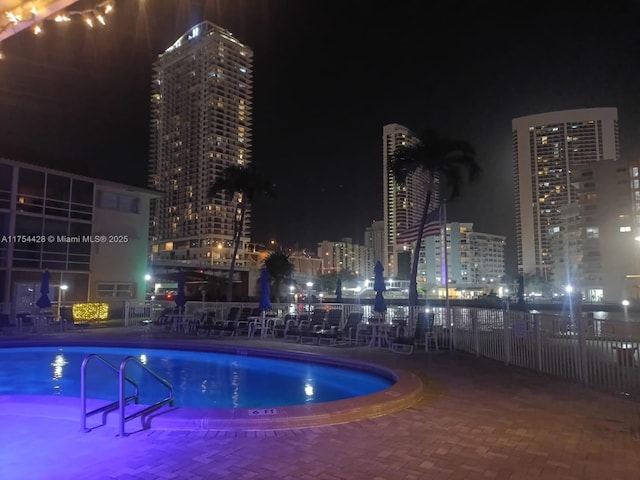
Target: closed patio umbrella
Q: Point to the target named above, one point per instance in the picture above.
(339, 291)
(265, 301)
(379, 306)
(44, 301)
(265, 292)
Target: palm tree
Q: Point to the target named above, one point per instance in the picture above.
(280, 269)
(443, 163)
(240, 184)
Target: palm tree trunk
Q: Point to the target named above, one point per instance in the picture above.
(237, 233)
(413, 279)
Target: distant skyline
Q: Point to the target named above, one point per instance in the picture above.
(328, 75)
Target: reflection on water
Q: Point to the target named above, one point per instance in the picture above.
(308, 391)
(58, 365)
(235, 384)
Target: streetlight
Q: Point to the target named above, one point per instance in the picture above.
(309, 285)
(625, 305)
(61, 290)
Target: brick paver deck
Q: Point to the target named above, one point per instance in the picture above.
(477, 420)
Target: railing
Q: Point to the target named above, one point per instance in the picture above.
(600, 354)
(83, 391)
(123, 399)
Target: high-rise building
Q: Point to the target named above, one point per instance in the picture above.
(475, 261)
(346, 256)
(546, 147)
(403, 204)
(374, 239)
(201, 107)
(594, 244)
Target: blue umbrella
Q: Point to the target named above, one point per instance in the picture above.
(265, 291)
(379, 305)
(339, 291)
(44, 301)
(181, 296)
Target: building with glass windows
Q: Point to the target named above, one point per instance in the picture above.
(201, 110)
(546, 148)
(594, 244)
(92, 235)
(475, 262)
(403, 204)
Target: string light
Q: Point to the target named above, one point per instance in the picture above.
(15, 20)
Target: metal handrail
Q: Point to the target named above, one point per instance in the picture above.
(122, 399)
(83, 391)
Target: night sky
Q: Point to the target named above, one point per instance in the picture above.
(327, 76)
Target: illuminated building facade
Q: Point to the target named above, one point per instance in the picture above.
(92, 235)
(546, 147)
(201, 123)
(594, 244)
(475, 261)
(403, 204)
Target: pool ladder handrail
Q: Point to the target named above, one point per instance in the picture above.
(123, 400)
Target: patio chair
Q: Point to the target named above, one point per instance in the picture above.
(204, 324)
(344, 335)
(232, 314)
(334, 318)
(290, 331)
(280, 329)
(302, 331)
(318, 319)
(245, 313)
(423, 333)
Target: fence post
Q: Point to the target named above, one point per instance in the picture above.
(452, 329)
(580, 324)
(506, 323)
(474, 329)
(126, 313)
(536, 326)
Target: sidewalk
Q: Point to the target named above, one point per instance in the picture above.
(478, 420)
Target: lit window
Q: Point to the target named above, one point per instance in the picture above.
(593, 232)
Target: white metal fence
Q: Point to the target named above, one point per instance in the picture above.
(602, 354)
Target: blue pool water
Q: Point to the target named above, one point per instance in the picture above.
(199, 379)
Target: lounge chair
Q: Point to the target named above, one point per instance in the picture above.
(423, 333)
(317, 323)
(204, 324)
(318, 319)
(281, 328)
(334, 318)
(290, 330)
(346, 334)
(301, 330)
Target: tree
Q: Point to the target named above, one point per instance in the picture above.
(443, 163)
(240, 184)
(280, 269)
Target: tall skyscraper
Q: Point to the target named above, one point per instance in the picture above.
(546, 147)
(403, 204)
(200, 123)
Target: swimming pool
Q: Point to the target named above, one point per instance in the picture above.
(200, 379)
